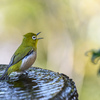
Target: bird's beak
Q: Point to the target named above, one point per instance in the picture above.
(38, 34)
(39, 38)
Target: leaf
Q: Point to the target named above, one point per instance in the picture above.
(95, 55)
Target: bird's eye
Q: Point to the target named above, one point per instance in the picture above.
(33, 37)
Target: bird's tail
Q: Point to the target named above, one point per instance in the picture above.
(5, 75)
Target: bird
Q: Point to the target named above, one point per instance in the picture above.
(24, 56)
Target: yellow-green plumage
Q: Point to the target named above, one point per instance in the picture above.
(24, 56)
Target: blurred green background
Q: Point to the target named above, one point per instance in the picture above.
(69, 27)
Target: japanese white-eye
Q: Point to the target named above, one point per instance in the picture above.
(24, 56)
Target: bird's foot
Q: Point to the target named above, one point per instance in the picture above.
(25, 72)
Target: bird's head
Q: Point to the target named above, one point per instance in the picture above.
(31, 39)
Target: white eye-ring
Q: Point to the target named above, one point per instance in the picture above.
(33, 37)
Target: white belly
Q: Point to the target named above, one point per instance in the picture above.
(28, 61)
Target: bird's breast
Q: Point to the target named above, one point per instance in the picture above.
(27, 61)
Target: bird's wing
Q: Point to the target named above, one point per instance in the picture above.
(20, 54)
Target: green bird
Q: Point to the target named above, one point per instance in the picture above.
(24, 56)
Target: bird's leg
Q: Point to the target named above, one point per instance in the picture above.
(25, 72)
